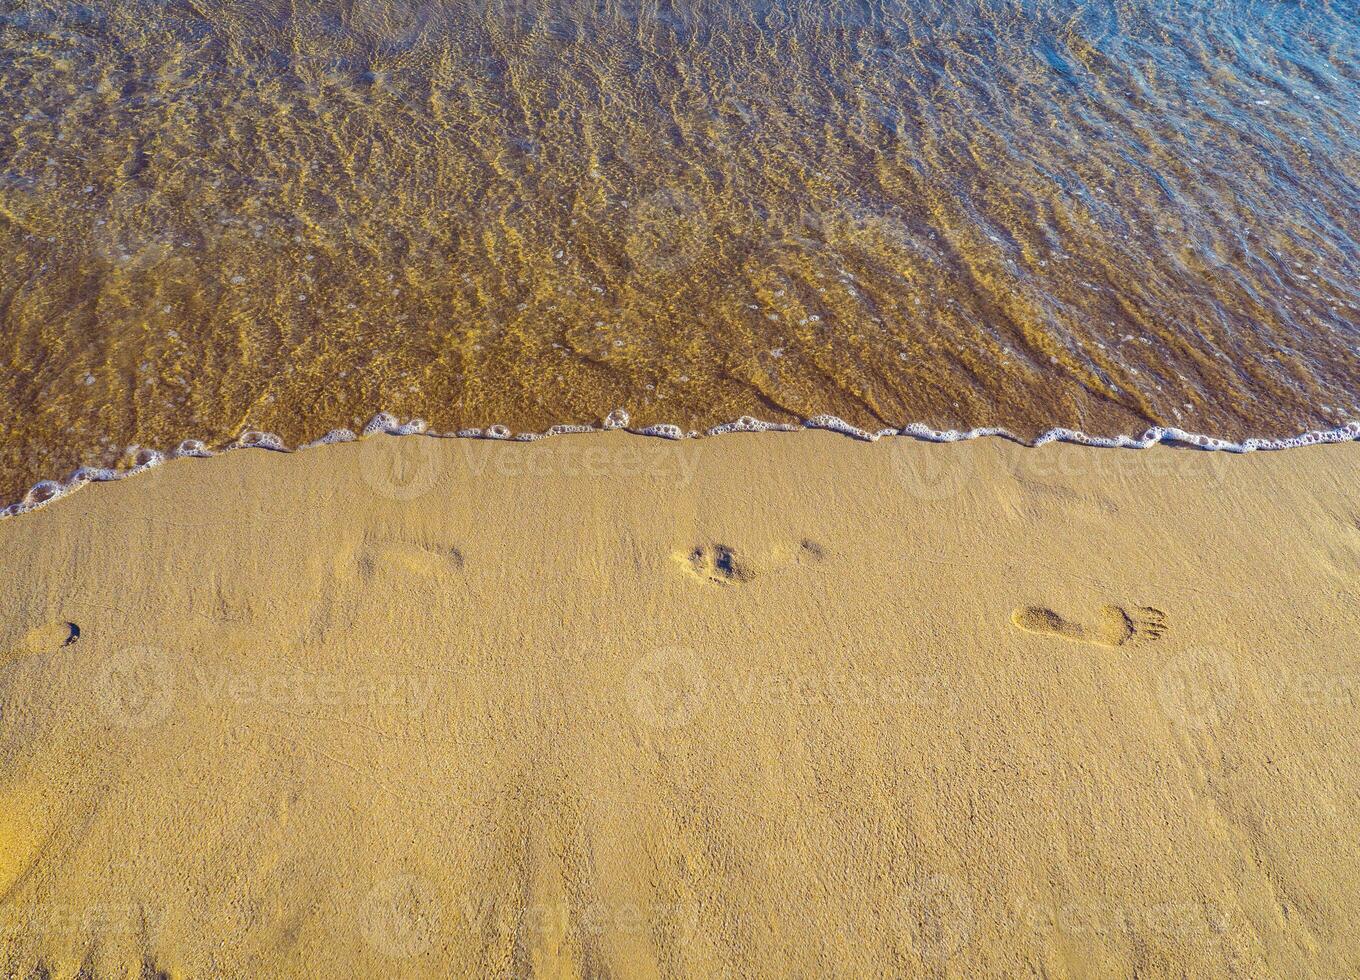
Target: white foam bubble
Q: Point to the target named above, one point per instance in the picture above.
(835, 424)
(331, 438)
(748, 424)
(663, 431)
(192, 448)
(386, 423)
(141, 459)
(382, 422)
(259, 440)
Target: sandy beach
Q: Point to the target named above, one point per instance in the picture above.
(849, 497)
(755, 705)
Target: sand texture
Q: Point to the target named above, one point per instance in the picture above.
(751, 706)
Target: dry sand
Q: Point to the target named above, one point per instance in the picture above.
(759, 705)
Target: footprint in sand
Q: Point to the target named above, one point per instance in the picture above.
(1116, 627)
(810, 553)
(44, 639)
(419, 559)
(719, 564)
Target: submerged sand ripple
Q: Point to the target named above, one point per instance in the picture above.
(230, 215)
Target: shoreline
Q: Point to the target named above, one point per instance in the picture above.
(142, 459)
(424, 707)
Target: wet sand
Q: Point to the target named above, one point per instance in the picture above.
(754, 705)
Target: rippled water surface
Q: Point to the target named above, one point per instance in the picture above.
(224, 214)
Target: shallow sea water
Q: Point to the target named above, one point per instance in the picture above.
(226, 214)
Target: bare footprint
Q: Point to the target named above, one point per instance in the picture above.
(44, 639)
(414, 558)
(1116, 627)
(718, 564)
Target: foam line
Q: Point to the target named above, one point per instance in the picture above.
(383, 423)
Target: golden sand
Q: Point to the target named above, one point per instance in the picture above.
(760, 705)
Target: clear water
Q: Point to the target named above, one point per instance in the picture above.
(230, 214)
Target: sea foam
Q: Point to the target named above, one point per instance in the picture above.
(142, 459)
